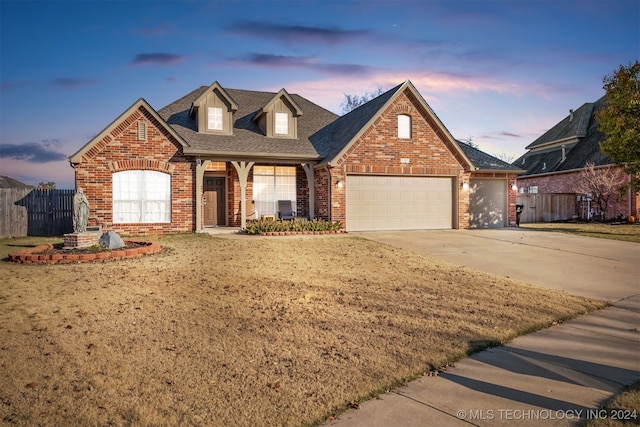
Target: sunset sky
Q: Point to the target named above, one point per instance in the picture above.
(500, 72)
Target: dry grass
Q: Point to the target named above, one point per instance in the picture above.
(621, 410)
(625, 232)
(256, 331)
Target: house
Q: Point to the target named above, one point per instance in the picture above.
(218, 156)
(554, 162)
(7, 182)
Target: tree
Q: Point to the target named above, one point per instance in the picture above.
(469, 142)
(619, 120)
(351, 102)
(600, 184)
(47, 185)
(505, 157)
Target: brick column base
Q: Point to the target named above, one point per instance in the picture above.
(80, 240)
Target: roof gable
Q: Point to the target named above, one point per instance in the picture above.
(113, 128)
(571, 128)
(219, 91)
(335, 141)
(286, 98)
(582, 146)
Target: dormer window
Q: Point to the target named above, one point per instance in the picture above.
(213, 111)
(214, 118)
(279, 117)
(282, 123)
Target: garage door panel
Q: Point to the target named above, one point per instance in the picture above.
(398, 203)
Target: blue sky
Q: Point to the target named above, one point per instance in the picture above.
(500, 72)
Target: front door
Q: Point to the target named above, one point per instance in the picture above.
(214, 201)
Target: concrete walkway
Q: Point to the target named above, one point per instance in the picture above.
(555, 377)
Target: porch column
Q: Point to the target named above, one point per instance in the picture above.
(243, 168)
(201, 165)
(308, 170)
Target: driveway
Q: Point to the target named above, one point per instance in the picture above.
(591, 267)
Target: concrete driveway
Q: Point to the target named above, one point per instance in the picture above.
(585, 266)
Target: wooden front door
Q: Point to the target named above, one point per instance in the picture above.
(214, 201)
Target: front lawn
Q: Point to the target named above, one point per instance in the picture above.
(629, 232)
(275, 331)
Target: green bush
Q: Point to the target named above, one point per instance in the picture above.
(264, 226)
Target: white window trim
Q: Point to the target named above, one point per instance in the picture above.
(273, 179)
(215, 118)
(404, 126)
(281, 124)
(141, 197)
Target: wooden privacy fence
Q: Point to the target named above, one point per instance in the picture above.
(547, 207)
(35, 212)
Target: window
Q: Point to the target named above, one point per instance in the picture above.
(282, 123)
(270, 184)
(141, 196)
(214, 118)
(404, 126)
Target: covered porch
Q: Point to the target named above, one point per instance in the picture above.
(229, 192)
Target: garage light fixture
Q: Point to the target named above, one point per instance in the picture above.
(465, 185)
(514, 187)
(339, 184)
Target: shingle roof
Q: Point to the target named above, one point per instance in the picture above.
(6, 182)
(247, 136)
(577, 153)
(484, 161)
(575, 125)
(333, 138)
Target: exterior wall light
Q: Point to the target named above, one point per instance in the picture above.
(514, 187)
(465, 185)
(339, 184)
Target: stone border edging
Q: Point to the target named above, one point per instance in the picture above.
(32, 255)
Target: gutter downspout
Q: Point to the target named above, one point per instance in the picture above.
(629, 196)
(329, 191)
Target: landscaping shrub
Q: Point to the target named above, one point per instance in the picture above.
(266, 226)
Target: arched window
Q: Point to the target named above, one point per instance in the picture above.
(404, 126)
(141, 196)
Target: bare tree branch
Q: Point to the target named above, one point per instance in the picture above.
(601, 184)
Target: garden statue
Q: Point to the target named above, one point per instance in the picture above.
(80, 211)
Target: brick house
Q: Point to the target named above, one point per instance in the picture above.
(555, 160)
(217, 157)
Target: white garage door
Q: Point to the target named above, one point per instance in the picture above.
(398, 203)
(487, 203)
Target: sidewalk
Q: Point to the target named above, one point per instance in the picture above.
(554, 377)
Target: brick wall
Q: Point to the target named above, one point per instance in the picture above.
(379, 151)
(120, 150)
(321, 202)
(625, 204)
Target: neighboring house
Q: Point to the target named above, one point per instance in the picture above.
(556, 159)
(217, 157)
(7, 182)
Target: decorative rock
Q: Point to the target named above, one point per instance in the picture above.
(111, 240)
